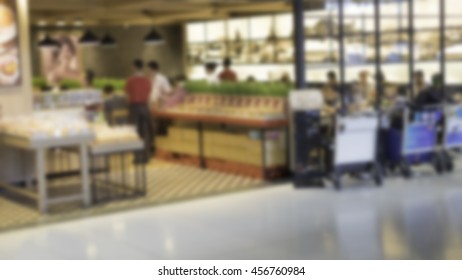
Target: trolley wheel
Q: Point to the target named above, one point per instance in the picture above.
(406, 170)
(337, 180)
(438, 163)
(377, 174)
(392, 168)
(448, 162)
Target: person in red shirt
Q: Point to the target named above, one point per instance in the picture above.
(138, 89)
(228, 75)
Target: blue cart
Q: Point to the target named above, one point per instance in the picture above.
(415, 141)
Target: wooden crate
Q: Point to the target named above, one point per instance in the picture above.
(178, 158)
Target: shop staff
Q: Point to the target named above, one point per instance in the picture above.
(160, 85)
(138, 88)
(210, 71)
(228, 75)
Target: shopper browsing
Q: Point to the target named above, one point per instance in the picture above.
(331, 92)
(228, 75)
(419, 82)
(109, 104)
(364, 86)
(358, 102)
(160, 85)
(138, 89)
(430, 95)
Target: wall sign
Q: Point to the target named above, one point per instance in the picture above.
(10, 74)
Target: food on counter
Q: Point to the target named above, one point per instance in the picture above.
(69, 98)
(232, 106)
(64, 123)
(107, 134)
(239, 100)
(34, 127)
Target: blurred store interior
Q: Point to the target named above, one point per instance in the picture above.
(243, 129)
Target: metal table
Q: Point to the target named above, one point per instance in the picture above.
(121, 187)
(39, 147)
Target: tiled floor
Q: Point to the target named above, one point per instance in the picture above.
(166, 183)
(417, 219)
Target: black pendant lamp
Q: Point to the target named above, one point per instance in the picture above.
(89, 39)
(48, 42)
(153, 38)
(108, 41)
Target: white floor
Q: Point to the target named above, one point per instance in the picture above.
(421, 218)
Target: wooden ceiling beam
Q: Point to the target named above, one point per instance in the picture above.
(130, 13)
(140, 5)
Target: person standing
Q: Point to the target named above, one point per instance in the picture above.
(419, 83)
(364, 86)
(138, 89)
(160, 85)
(228, 75)
(211, 77)
(331, 93)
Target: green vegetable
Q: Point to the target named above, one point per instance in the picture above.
(117, 84)
(239, 89)
(39, 82)
(70, 84)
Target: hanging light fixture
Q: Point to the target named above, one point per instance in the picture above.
(48, 42)
(108, 41)
(153, 38)
(89, 39)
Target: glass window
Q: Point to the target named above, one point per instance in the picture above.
(196, 33)
(262, 28)
(284, 26)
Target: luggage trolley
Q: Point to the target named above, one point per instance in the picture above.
(452, 138)
(355, 148)
(417, 142)
(308, 145)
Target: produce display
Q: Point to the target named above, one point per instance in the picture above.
(105, 134)
(240, 100)
(46, 126)
(41, 83)
(64, 123)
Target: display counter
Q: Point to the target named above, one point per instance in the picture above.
(39, 148)
(240, 135)
(67, 131)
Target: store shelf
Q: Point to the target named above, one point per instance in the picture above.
(216, 119)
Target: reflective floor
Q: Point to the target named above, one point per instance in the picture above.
(418, 219)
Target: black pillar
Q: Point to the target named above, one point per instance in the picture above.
(378, 56)
(411, 48)
(443, 47)
(299, 43)
(341, 37)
